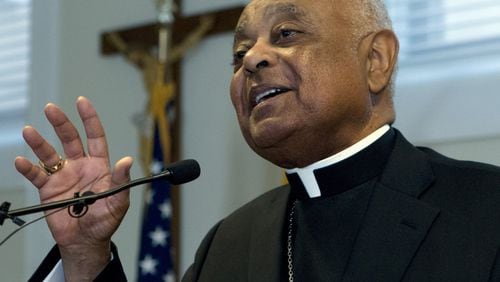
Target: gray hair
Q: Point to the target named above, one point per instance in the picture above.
(368, 16)
(377, 10)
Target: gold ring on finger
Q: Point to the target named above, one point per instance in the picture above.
(52, 169)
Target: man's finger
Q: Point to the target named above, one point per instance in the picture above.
(32, 172)
(96, 138)
(42, 149)
(120, 175)
(121, 171)
(66, 131)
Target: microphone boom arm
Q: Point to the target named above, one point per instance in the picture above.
(78, 202)
(177, 173)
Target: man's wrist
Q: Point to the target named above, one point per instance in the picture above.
(84, 263)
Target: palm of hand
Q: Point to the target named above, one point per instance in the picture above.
(82, 171)
(83, 174)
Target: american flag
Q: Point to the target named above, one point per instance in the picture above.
(155, 256)
(155, 259)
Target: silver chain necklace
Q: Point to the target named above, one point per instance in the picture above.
(289, 242)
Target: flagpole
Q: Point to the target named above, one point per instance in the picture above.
(156, 255)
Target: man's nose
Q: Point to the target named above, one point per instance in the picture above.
(260, 56)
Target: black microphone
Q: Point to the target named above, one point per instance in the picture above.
(182, 171)
(176, 173)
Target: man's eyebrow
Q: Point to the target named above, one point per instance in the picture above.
(286, 9)
(239, 32)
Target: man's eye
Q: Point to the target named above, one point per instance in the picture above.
(238, 57)
(284, 36)
(284, 33)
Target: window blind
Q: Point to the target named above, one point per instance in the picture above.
(439, 29)
(14, 55)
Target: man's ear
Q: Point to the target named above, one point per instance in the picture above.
(382, 58)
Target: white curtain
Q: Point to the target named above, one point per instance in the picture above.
(441, 29)
(14, 66)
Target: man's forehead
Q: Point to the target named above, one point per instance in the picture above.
(266, 9)
(298, 3)
(269, 7)
(259, 11)
(283, 8)
(317, 14)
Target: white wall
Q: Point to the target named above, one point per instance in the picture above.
(67, 63)
(452, 106)
(450, 99)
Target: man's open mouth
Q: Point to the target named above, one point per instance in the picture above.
(270, 93)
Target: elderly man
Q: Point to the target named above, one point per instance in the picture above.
(312, 89)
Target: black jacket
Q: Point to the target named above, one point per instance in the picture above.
(430, 218)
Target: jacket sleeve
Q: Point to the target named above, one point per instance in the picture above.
(495, 272)
(112, 272)
(193, 272)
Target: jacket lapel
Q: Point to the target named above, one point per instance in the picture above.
(396, 222)
(266, 241)
(390, 236)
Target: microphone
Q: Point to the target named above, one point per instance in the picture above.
(182, 171)
(176, 173)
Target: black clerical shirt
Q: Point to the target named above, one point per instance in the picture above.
(325, 227)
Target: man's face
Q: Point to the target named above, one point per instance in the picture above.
(299, 86)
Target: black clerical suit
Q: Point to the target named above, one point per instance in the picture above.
(415, 216)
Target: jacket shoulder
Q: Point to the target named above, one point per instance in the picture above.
(224, 252)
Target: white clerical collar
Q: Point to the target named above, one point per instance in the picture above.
(306, 174)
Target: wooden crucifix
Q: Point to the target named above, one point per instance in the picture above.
(138, 43)
(142, 47)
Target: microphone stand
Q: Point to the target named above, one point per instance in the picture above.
(78, 202)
